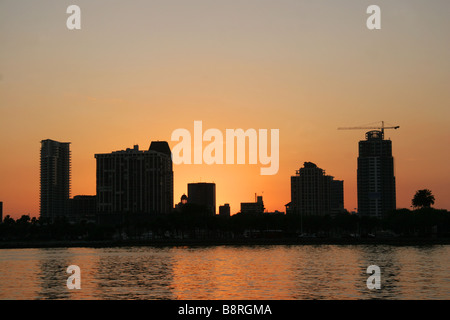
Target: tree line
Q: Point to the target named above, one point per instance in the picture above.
(423, 222)
(195, 222)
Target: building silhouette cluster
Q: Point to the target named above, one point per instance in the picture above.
(141, 182)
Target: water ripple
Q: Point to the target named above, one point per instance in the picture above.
(227, 272)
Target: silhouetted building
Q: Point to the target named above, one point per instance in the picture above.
(55, 179)
(134, 181)
(83, 208)
(203, 194)
(256, 207)
(315, 193)
(376, 180)
(337, 196)
(182, 203)
(224, 211)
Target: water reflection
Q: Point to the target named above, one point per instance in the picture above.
(52, 274)
(385, 257)
(135, 273)
(18, 274)
(227, 272)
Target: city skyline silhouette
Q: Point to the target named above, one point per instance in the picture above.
(175, 196)
(304, 68)
(246, 152)
(123, 166)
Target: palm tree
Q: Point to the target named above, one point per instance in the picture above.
(423, 199)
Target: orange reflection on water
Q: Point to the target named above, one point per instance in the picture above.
(227, 272)
(279, 273)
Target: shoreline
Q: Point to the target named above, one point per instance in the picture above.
(219, 242)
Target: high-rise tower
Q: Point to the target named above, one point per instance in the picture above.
(55, 179)
(315, 193)
(135, 181)
(376, 179)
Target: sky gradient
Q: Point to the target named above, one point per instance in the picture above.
(138, 70)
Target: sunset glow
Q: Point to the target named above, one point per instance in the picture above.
(136, 72)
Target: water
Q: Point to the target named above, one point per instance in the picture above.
(227, 272)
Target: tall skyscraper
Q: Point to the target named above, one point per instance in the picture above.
(55, 179)
(203, 194)
(134, 181)
(376, 180)
(315, 193)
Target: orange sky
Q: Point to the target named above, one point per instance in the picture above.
(137, 71)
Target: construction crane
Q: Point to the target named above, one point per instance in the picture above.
(382, 127)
